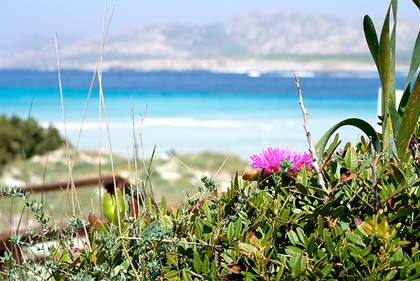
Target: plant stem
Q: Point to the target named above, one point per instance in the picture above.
(315, 161)
(374, 183)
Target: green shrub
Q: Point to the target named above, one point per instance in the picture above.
(276, 225)
(274, 228)
(18, 136)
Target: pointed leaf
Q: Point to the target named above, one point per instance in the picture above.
(417, 2)
(359, 123)
(351, 160)
(392, 44)
(310, 247)
(326, 270)
(303, 177)
(293, 237)
(248, 248)
(398, 174)
(149, 204)
(163, 208)
(329, 244)
(205, 265)
(409, 120)
(297, 263)
(171, 259)
(238, 227)
(121, 203)
(371, 39)
(198, 226)
(355, 238)
(230, 231)
(196, 263)
(385, 75)
(186, 276)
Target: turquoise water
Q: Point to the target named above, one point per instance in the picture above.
(193, 111)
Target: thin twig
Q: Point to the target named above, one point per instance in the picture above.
(315, 161)
(148, 174)
(135, 151)
(68, 160)
(374, 181)
(101, 93)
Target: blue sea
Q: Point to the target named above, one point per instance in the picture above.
(237, 113)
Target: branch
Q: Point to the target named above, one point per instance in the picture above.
(315, 161)
(374, 181)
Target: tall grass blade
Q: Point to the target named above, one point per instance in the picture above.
(385, 75)
(392, 45)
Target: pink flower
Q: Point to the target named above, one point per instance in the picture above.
(271, 159)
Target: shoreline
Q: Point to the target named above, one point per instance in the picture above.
(227, 64)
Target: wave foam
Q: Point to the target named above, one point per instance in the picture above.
(152, 122)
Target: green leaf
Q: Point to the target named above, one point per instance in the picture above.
(371, 39)
(333, 145)
(171, 259)
(163, 208)
(391, 274)
(351, 160)
(398, 255)
(279, 273)
(301, 235)
(303, 177)
(409, 120)
(395, 118)
(403, 212)
(336, 211)
(326, 270)
(238, 227)
(356, 122)
(355, 238)
(385, 75)
(108, 202)
(186, 276)
(293, 249)
(417, 2)
(198, 226)
(398, 174)
(230, 231)
(310, 246)
(172, 274)
(149, 204)
(415, 61)
(392, 44)
(293, 237)
(196, 263)
(297, 263)
(121, 203)
(205, 265)
(329, 244)
(248, 248)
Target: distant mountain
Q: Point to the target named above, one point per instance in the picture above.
(269, 33)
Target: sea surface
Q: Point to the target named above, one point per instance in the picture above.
(231, 112)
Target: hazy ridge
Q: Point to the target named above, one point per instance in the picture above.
(267, 40)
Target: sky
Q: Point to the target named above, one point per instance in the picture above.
(75, 19)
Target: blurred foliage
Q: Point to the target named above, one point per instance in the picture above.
(25, 136)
